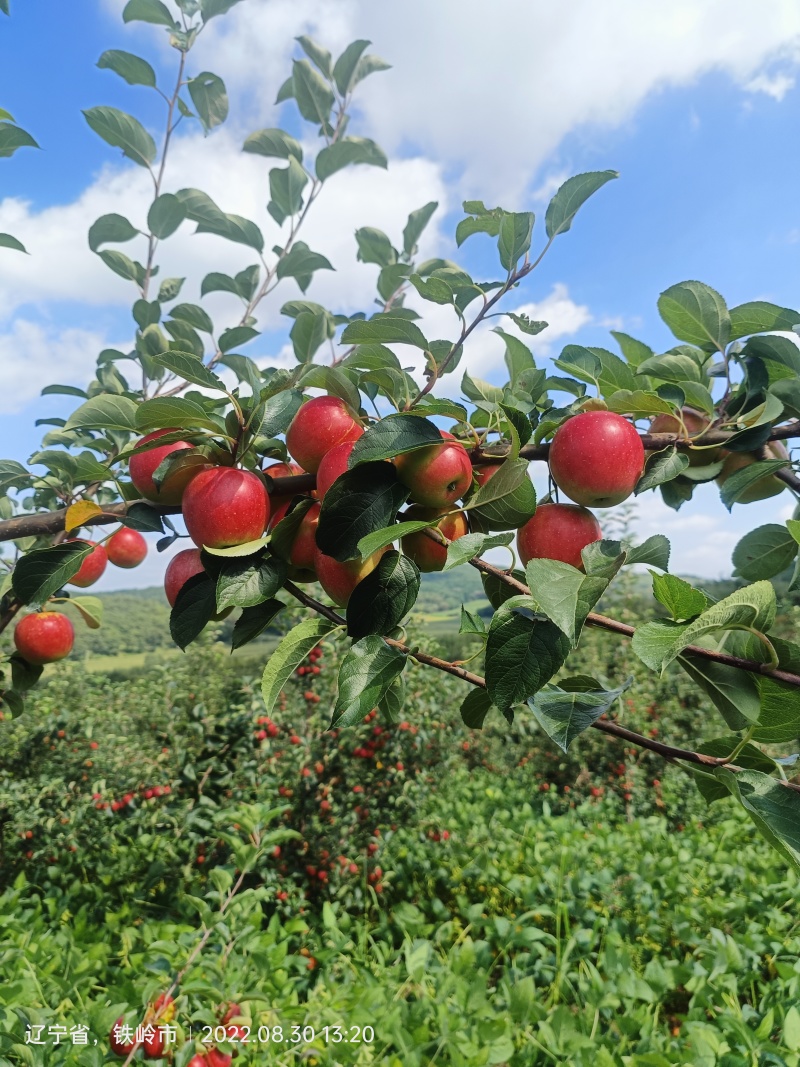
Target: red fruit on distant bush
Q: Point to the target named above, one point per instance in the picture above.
(596, 458)
(126, 548)
(215, 1058)
(436, 475)
(334, 463)
(558, 531)
(44, 637)
(119, 1048)
(340, 579)
(154, 1045)
(143, 465)
(183, 566)
(164, 1004)
(320, 425)
(92, 567)
(423, 550)
(225, 506)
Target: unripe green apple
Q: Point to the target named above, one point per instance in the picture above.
(423, 550)
(558, 531)
(225, 506)
(596, 458)
(436, 475)
(92, 567)
(126, 548)
(44, 637)
(765, 487)
(340, 579)
(694, 422)
(142, 466)
(320, 425)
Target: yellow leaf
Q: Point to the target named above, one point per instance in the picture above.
(77, 514)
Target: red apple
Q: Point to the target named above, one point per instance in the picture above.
(44, 637)
(765, 487)
(143, 464)
(694, 422)
(92, 567)
(119, 1048)
(558, 531)
(320, 425)
(437, 475)
(164, 1007)
(154, 1046)
(333, 464)
(225, 506)
(340, 579)
(197, 1061)
(484, 473)
(126, 548)
(233, 1011)
(423, 550)
(183, 566)
(215, 1058)
(596, 458)
(304, 545)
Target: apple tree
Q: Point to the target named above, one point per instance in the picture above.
(334, 483)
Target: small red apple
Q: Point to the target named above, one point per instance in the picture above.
(215, 1058)
(126, 548)
(333, 464)
(142, 466)
(319, 425)
(437, 475)
(694, 422)
(44, 637)
(154, 1046)
(484, 473)
(596, 458)
(183, 566)
(423, 550)
(558, 531)
(198, 1061)
(305, 545)
(233, 1011)
(119, 1048)
(92, 567)
(225, 506)
(340, 579)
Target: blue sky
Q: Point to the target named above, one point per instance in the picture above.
(702, 125)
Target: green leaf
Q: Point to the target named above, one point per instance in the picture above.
(234, 228)
(148, 11)
(660, 468)
(7, 241)
(210, 97)
(163, 412)
(209, 9)
(300, 263)
(512, 474)
(521, 656)
(24, 675)
(382, 600)
(13, 474)
(318, 55)
(378, 539)
(39, 574)
(244, 583)
(142, 517)
(514, 238)
(279, 411)
(733, 692)
(110, 228)
(417, 221)
(563, 715)
(779, 714)
(366, 673)
(475, 706)
(170, 289)
(472, 545)
(235, 337)
(635, 352)
(310, 330)
(368, 65)
(13, 137)
(737, 484)
(764, 552)
(528, 325)
(248, 548)
(384, 329)
(347, 152)
(253, 621)
(189, 368)
(360, 501)
(134, 69)
(638, 402)
(679, 598)
(194, 315)
(345, 66)
(471, 623)
(193, 610)
(333, 380)
(273, 143)
(289, 654)
(122, 131)
(759, 316)
(313, 95)
(571, 196)
(393, 436)
(599, 367)
(90, 609)
(104, 412)
(774, 809)
(565, 594)
(696, 313)
(286, 185)
(375, 247)
(165, 216)
(654, 552)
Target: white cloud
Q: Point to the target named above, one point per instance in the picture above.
(774, 85)
(32, 355)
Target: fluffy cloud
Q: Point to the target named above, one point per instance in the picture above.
(66, 356)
